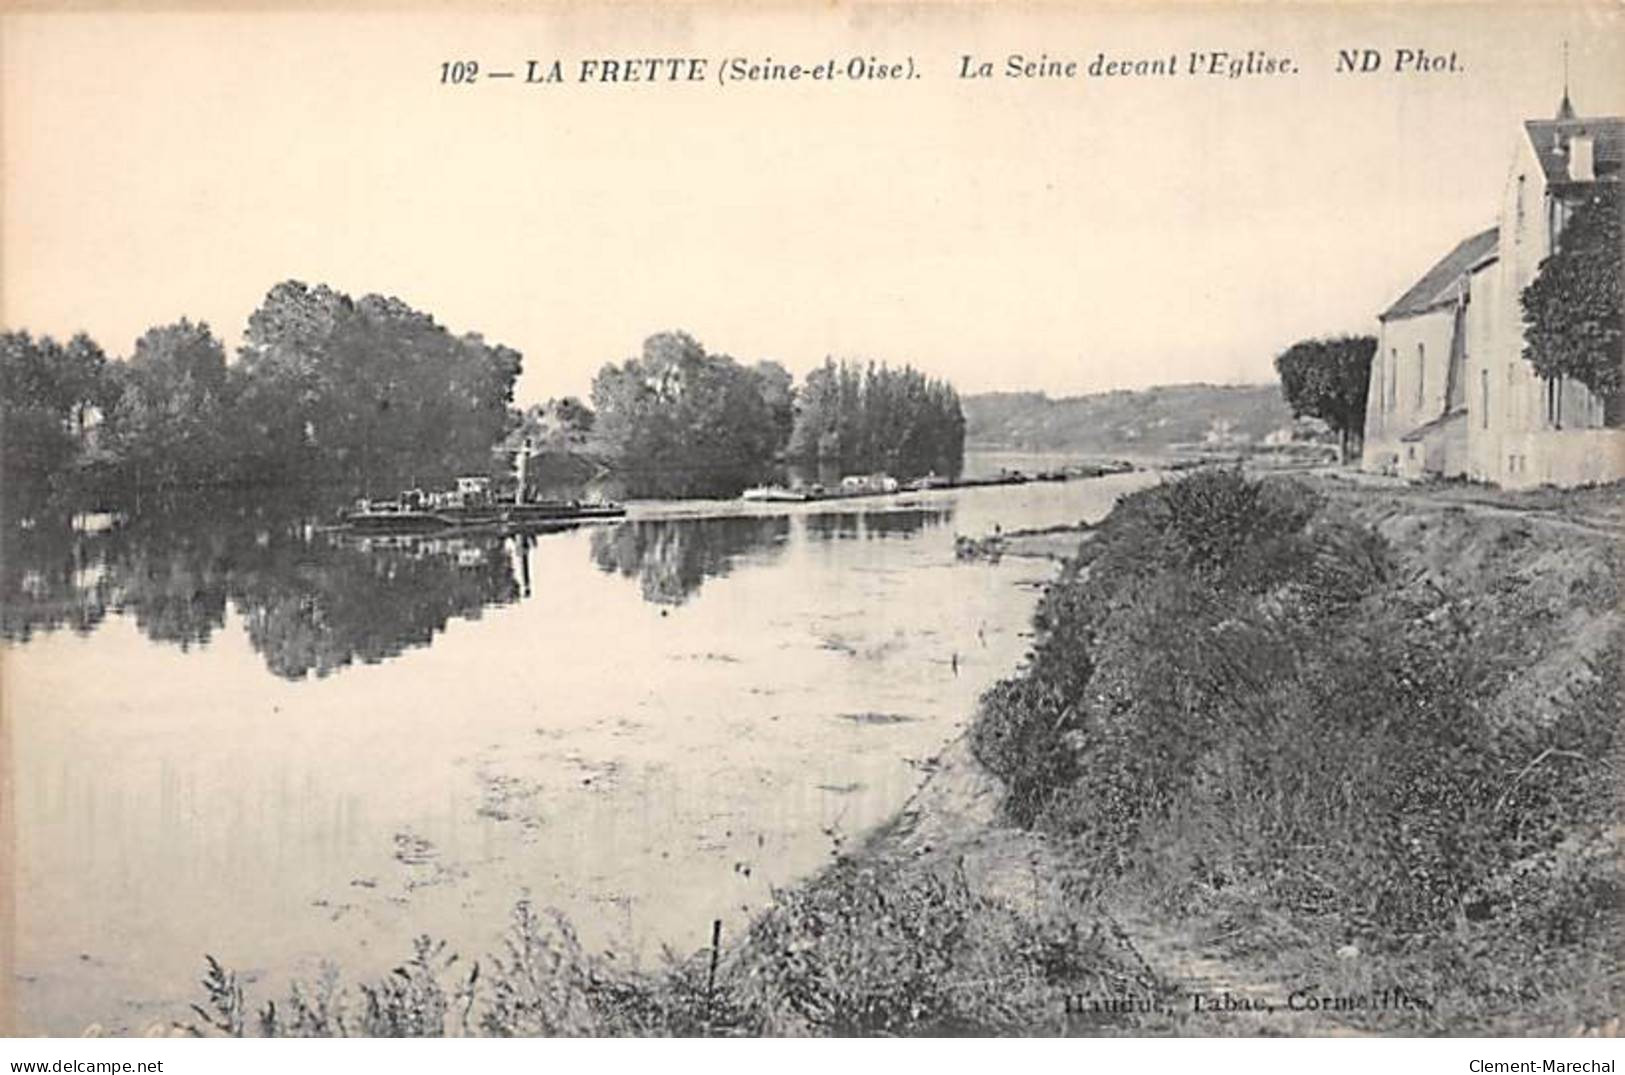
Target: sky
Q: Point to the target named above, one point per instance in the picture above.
(1064, 235)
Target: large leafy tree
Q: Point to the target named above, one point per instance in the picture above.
(874, 417)
(86, 382)
(687, 421)
(48, 391)
(1329, 379)
(285, 350)
(815, 434)
(1572, 309)
(778, 392)
(170, 425)
(369, 390)
(34, 439)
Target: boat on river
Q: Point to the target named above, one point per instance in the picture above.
(775, 494)
(416, 512)
(472, 504)
(870, 485)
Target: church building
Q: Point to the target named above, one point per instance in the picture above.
(1451, 394)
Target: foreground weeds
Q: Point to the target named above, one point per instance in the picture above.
(856, 951)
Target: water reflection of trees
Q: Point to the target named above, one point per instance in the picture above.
(310, 602)
(49, 578)
(367, 602)
(671, 558)
(837, 525)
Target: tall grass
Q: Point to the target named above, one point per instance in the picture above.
(855, 951)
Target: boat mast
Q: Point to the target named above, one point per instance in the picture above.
(521, 459)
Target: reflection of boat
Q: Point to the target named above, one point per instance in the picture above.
(471, 504)
(773, 494)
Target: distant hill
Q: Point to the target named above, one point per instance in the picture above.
(1150, 421)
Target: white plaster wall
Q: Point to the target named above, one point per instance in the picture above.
(1510, 441)
(1564, 457)
(1419, 381)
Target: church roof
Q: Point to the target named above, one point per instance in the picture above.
(1550, 138)
(1442, 283)
(1422, 431)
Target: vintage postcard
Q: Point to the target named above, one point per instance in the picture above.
(821, 519)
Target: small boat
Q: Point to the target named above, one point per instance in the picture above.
(773, 494)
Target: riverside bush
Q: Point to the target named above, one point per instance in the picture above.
(867, 952)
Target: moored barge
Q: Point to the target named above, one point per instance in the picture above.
(471, 505)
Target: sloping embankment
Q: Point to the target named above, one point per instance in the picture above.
(1474, 805)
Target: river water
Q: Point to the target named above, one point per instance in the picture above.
(236, 734)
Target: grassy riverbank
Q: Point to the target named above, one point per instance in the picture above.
(1286, 757)
(1349, 740)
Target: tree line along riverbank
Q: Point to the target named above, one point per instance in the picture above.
(369, 394)
(1287, 756)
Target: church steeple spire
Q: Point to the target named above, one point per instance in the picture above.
(1566, 109)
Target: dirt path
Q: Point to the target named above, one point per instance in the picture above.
(1599, 512)
(1218, 994)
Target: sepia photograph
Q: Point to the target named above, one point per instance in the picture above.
(559, 520)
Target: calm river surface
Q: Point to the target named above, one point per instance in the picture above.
(241, 736)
